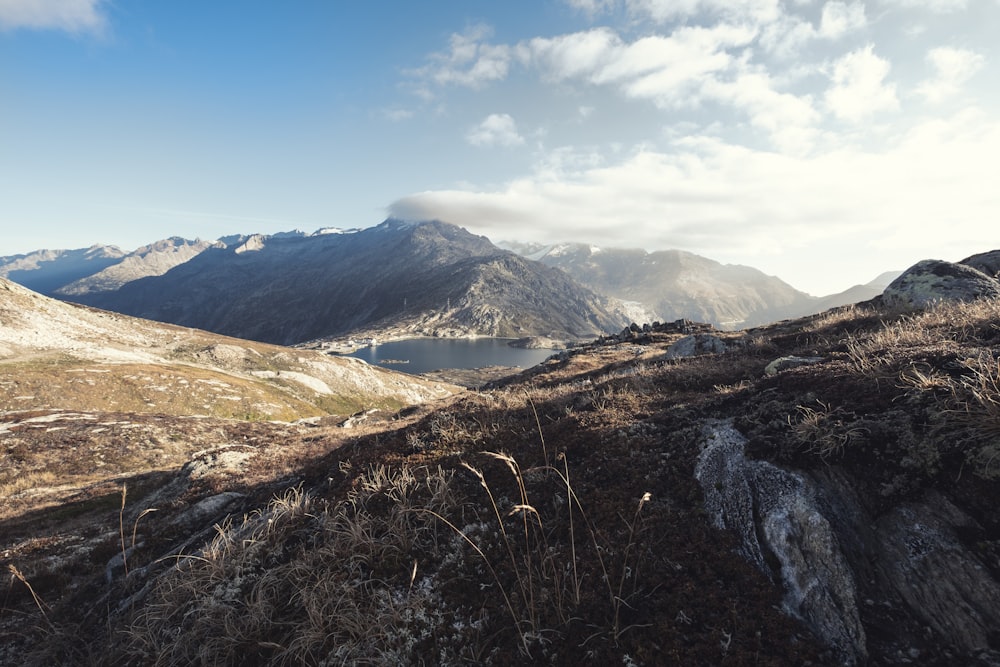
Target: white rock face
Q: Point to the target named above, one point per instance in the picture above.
(759, 501)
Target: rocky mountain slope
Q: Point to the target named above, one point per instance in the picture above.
(154, 259)
(45, 271)
(429, 278)
(672, 284)
(817, 491)
(442, 281)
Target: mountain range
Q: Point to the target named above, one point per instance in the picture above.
(400, 278)
(672, 284)
(816, 491)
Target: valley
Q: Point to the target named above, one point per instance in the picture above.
(818, 490)
(402, 279)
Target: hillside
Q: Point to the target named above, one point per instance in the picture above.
(672, 284)
(428, 279)
(819, 491)
(45, 271)
(154, 259)
(55, 355)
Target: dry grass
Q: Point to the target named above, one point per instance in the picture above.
(337, 584)
(512, 526)
(974, 407)
(823, 430)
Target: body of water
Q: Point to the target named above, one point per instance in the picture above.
(420, 355)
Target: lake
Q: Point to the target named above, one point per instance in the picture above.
(422, 355)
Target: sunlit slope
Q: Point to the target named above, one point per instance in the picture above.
(55, 355)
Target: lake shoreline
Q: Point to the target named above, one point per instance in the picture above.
(418, 355)
(349, 345)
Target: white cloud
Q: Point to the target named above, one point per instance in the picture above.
(686, 69)
(661, 11)
(69, 15)
(470, 61)
(935, 6)
(668, 70)
(840, 18)
(952, 68)
(498, 129)
(785, 36)
(787, 118)
(807, 219)
(859, 90)
(579, 54)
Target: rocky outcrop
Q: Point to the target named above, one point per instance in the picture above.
(776, 516)
(987, 262)
(923, 560)
(905, 573)
(694, 345)
(933, 280)
(784, 363)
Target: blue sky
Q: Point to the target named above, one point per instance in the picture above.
(820, 141)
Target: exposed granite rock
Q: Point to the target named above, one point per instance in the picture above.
(812, 532)
(784, 363)
(933, 280)
(922, 558)
(774, 511)
(987, 262)
(696, 344)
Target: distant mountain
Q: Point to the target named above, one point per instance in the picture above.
(427, 278)
(99, 268)
(154, 259)
(45, 271)
(674, 284)
(855, 294)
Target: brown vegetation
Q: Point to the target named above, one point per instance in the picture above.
(553, 518)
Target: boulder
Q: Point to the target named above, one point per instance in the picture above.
(696, 344)
(933, 280)
(987, 262)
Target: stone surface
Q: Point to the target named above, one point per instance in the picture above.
(932, 280)
(987, 262)
(774, 512)
(784, 363)
(812, 533)
(694, 345)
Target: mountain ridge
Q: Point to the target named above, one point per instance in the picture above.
(676, 284)
(294, 287)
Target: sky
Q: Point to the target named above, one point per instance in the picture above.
(820, 141)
